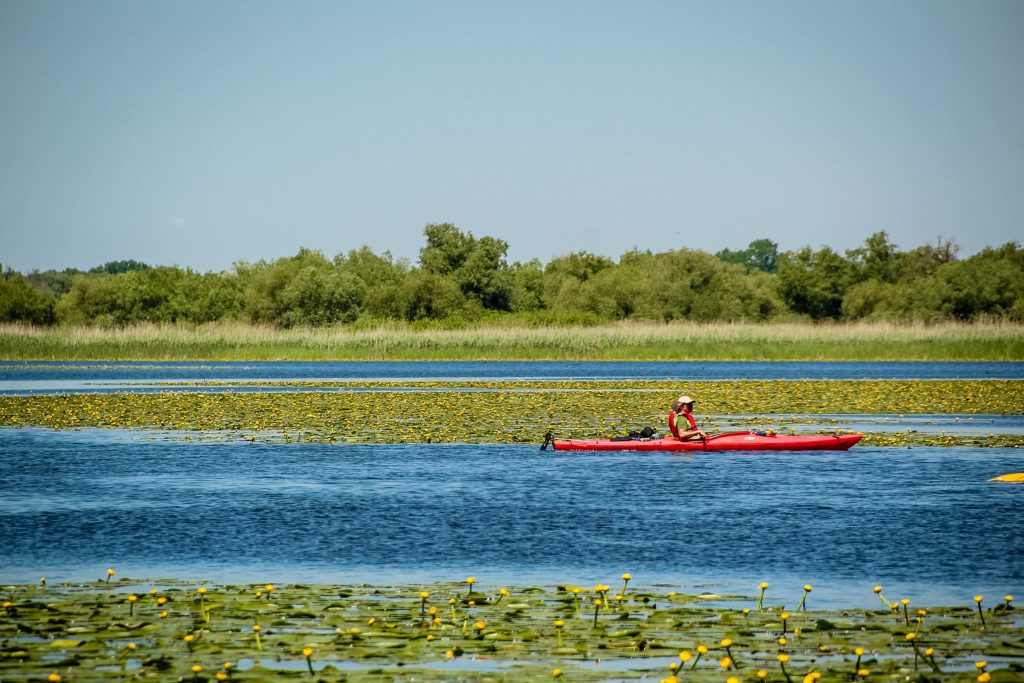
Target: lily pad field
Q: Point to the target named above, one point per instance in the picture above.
(522, 412)
(124, 629)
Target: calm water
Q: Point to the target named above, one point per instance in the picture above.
(17, 377)
(924, 521)
(265, 370)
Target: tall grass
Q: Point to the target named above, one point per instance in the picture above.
(621, 341)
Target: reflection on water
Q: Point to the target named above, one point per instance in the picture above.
(927, 520)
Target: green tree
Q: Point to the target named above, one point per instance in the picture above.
(382, 277)
(878, 259)
(925, 260)
(476, 266)
(429, 296)
(104, 300)
(988, 284)
(21, 302)
(51, 282)
(693, 285)
(319, 296)
(813, 283)
(119, 267)
(162, 294)
(211, 297)
(564, 277)
(527, 286)
(762, 255)
(265, 285)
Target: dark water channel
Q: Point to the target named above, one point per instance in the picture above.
(924, 521)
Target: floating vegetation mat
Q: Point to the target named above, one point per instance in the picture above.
(178, 630)
(522, 411)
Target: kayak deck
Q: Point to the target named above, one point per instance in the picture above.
(731, 441)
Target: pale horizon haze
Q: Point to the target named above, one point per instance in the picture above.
(201, 133)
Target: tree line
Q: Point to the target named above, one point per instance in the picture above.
(461, 278)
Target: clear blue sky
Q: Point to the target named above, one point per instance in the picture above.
(200, 133)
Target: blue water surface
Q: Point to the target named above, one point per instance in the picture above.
(384, 370)
(23, 377)
(925, 521)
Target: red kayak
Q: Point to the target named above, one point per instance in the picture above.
(730, 441)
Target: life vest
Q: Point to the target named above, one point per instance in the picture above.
(674, 428)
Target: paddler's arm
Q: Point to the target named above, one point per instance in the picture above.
(691, 434)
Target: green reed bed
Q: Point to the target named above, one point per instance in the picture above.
(521, 412)
(621, 341)
(465, 630)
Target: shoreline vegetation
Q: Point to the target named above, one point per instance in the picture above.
(509, 341)
(459, 278)
(168, 629)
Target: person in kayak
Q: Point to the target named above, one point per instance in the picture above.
(684, 406)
